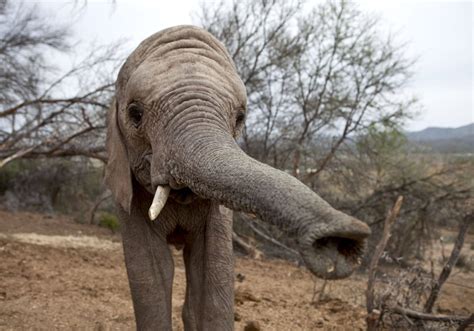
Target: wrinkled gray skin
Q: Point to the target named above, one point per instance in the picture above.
(179, 106)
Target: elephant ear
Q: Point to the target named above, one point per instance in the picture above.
(118, 175)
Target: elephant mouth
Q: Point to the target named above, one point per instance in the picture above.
(183, 196)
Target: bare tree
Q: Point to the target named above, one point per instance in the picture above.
(263, 51)
(317, 76)
(317, 79)
(42, 113)
(382, 165)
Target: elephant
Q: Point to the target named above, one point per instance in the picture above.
(175, 171)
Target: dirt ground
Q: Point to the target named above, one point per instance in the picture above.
(57, 274)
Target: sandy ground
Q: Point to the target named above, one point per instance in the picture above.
(57, 274)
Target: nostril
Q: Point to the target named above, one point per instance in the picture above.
(349, 248)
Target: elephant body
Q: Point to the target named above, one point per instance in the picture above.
(205, 233)
(179, 106)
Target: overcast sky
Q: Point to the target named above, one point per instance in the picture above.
(439, 33)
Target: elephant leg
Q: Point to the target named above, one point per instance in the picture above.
(193, 255)
(209, 263)
(150, 271)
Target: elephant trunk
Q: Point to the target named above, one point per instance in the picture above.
(213, 166)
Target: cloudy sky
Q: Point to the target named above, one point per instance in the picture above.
(439, 35)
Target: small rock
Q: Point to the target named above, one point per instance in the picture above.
(240, 277)
(319, 324)
(252, 326)
(237, 317)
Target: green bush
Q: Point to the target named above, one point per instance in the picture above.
(110, 221)
(50, 185)
(7, 176)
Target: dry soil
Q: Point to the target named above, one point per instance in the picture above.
(57, 274)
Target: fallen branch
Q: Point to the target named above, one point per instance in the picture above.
(249, 249)
(428, 317)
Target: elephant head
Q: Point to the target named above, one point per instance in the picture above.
(179, 106)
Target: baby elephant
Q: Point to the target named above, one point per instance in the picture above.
(174, 164)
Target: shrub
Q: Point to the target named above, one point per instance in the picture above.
(51, 185)
(110, 221)
(7, 176)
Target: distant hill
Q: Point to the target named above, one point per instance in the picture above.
(445, 140)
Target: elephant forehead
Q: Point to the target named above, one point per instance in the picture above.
(176, 46)
(155, 80)
(179, 56)
(181, 37)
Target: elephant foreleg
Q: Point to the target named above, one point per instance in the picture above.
(150, 271)
(209, 265)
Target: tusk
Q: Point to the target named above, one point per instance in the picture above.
(159, 201)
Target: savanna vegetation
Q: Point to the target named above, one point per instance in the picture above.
(327, 103)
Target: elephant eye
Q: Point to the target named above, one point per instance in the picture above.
(135, 113)
(240, 118)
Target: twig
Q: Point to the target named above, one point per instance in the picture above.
(453, 258)
(406, 318)
(249, 249)
(371, 319)
(272, 240)
(321, 292)
(96, 205)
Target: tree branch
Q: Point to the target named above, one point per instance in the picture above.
(372, 319)
(453, 258)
